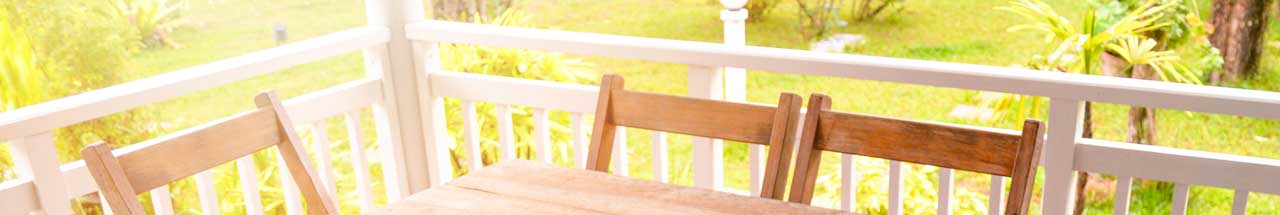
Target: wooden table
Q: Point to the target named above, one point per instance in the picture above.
(525, 187)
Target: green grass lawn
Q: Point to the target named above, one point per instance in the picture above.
(966, 31)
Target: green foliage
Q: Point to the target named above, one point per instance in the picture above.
(510, 63)
(152, 20)
(757, 10)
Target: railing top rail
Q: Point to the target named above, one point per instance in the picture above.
(955, 75)
(97, 103)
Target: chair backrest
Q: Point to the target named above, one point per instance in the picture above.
(749, 123)
(154, 163)
(968, 148)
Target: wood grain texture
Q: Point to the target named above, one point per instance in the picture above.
(526, 187)
(157, 162)
(749, 123)
(968, 148)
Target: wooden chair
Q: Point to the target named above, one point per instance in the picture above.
(157, 162)
(974, 149)
(755, 124)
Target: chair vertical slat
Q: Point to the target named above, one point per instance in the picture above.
(1240, 203)
(506, 137)
(542, 134)
(248, 172)
(324, 161)
(708, 153)
(471, 134)
(660, 156)
(945, 183)
(358, 162)
(755, 156)
(1123, 190)
(579, 140)
(620, 166)
(161, 201)
(36, 157)
(995, 195)
(289, 189)
(1181, 192)
(848, 192)
(895, 188)
(208, 195)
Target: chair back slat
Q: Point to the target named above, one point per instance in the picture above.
(969, 148)
(749, 123)
(125, 173)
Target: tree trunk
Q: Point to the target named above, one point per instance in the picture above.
(1142, 120)
(1238, 32)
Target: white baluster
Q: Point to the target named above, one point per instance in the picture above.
(289, 188)
(1066, 118)
(106, 208)
(161, 202)
(660, 156)
(1181, 192)
(895, 188)
(708, 154)
(995, 195)
(36, 157)
(355, 140)
(506, 137)
(848, 187)
(945, 184)
(542, 134)
(471, 134)
(620, 166)
(579, 140)
(248, 172)
(324, 162)
(1240, 204)
(1123, 190)
(208, 195)
(756, 171)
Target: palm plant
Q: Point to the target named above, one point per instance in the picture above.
(153, 19)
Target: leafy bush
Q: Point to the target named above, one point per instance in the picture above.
(152, 20)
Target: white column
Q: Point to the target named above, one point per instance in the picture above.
(1066, 118)
(400, 117)
(735, 83)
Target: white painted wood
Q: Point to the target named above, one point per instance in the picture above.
(515, 91)
(435, 126)
(755, 170)
(318, 105)
(412, 152)
(471, 134)
(79, 181)
(660, 158)
(106, 207)
(953, 75)
(579, 139)
(946, 182)
(248, 173)
(708, 154)
(97, 103)
(289, 189)
(848, 187)
(359, 164)
(324, 161)
(18, 196)
(207, 194)
(895, 188)
(36, 157)
(1124, 188)
(1240, 203)
(542, 134)
(1066, 116)
(161, 201)
(995, 195)
(1180, 194)
(506, 137)
(1178, 165)
(620, 165)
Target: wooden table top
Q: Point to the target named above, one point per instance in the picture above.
(526, 187)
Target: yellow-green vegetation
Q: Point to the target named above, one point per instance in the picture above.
(966, 31)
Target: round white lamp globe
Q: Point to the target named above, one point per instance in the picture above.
(733, 4)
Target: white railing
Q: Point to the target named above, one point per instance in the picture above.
(1065, 151)
(405, 88)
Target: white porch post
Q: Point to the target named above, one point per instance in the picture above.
(400, 117)
(735, 80)
(1066, 118)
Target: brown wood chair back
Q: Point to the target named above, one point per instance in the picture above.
(976, 149)
(154, 163)
(749, 123)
